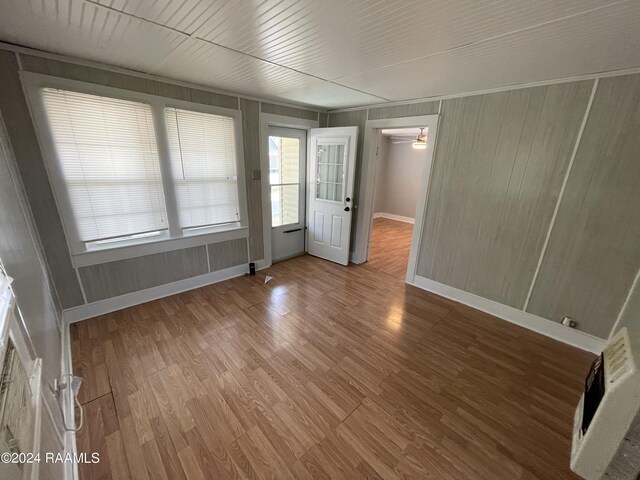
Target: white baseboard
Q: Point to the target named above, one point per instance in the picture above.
(262, 264)
(108, 305)
(393, 216)
(540, 325)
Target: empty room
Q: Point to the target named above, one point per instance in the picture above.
(293, 239)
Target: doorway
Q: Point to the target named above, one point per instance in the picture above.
(401, 155)
(372, 143)
(287, 169)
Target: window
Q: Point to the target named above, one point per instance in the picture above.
(108, 160)
(284, 178)
(203, 164)
(130, 168)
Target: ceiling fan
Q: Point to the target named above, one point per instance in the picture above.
(419, 142)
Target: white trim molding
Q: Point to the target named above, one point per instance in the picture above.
(504, 88)
(19, 50)
(360, 246)
(393, 216)
(561, 194)
(273, 120)
(81, 256)
(68, 406)
(108, 305)
(537, 324)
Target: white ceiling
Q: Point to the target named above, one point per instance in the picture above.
(337, 53)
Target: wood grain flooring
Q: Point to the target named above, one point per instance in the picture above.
(389, 246)
(324, 372)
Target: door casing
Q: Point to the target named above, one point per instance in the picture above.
(266, 120)
(367, 184)
(292, 236)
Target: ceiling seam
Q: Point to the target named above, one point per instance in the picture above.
(493, 37)
(194, 36)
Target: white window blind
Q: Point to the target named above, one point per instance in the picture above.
(203, 161)
(109, 162)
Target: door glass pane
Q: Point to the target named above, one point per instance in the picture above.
(284, 160)
(330, 172)
(284, 178)
(284, 204)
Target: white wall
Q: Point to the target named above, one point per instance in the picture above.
(398, 178)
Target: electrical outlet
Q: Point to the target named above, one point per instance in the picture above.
(569, 322)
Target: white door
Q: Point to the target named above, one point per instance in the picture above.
(332, 154)
(287, 170)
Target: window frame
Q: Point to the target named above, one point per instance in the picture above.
(171, 239)
(301, 135)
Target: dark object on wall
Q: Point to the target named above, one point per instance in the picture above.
(252, 269)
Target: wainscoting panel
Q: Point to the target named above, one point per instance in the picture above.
(125, 276)
(227, 254)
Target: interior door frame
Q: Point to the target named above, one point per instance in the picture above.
(368, 180)
(272, 120)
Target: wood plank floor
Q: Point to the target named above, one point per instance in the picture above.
(389, 246)
(324, 372)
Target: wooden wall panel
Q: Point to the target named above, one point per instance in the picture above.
(228, 254)
(594, 249)
(406, 110)
(125, 276)
(499, 166)
(288, 111)
(211, 98)
(26, 149)
(251, 137)
(352, 118)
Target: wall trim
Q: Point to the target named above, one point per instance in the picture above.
(623, 310)
(527, 320)
(393, 216)
(506, 88)
(262, 264)
(108, 305)
(267, 120)
(561, 194)
(365, 200)
(22, 50)
(68, 406)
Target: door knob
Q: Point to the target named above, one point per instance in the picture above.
(346, 209)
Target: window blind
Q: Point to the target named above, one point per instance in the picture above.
(108, 159)
(203, 160)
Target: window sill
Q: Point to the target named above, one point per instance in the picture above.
(151, 246)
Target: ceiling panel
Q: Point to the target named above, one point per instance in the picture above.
(334, 38)
(83, 30)
(183, 15)
(336, 53)
(328, 94)
(206, 64)
(595, 42)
